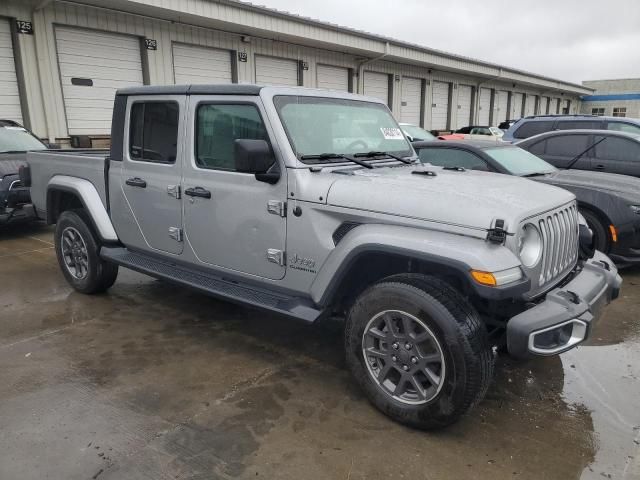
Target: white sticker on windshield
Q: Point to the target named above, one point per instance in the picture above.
(392, 133)
(15, 128)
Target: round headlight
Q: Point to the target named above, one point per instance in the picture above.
(530, 245)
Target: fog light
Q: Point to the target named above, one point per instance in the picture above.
(557, 338)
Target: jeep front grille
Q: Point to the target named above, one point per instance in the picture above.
(559, 231)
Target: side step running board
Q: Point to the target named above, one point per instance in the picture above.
(212, 285)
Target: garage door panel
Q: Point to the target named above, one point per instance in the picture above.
(376, 85)
(530, 105)
(464, 106)
(501, 103)
(439, 105)
(9, 93)
(411, 100)
(110, 60)
(516, 106)
(196, 64)
(276, 71)
(484, 107)
(332, 78)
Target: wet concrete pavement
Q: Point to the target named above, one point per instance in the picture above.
(154, 381)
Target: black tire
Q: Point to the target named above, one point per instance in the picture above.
(601, 236)
(463, 342)
(100, 275)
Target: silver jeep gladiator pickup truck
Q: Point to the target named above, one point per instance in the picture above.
(311, 203)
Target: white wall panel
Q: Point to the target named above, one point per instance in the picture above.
(10, 108)
(193, 64)
(410, 106)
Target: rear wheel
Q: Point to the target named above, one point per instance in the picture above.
(601, 236)
(418, 350)
(78, 252)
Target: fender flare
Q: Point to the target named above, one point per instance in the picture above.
(457, 252)
(90, 199)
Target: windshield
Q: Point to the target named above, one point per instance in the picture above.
(417, 133)
(17, 139)
(317, 125)
(518, 161)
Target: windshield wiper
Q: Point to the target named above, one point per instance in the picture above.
(14, 151)
(380, 154)
(328, 156)
(578, 157)
(534, 174)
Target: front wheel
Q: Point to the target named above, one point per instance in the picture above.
(418, 350)
(78, 251)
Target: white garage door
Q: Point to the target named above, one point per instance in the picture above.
(484, 107)
(332, 78)
(377, 85)
(464, 106)
(501, 107)
(439, 105)
(516, 106)
(544, 101)
(411, 100)
(276, 71)
(92, 66)
(192, 64)
(9, 95)
(530, 105)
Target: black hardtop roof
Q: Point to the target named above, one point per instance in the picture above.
(213, 89)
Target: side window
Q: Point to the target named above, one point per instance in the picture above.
(538, 147)
(219, 126)
(567, 145)
(623, 127)
(529, 129)
(153, 131)
(619, 149)
(578, 124)
(451, 157)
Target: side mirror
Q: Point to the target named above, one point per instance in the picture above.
(255, 156)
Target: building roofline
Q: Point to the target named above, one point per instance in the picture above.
(402, 43)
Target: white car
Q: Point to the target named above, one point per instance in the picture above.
(485, 133)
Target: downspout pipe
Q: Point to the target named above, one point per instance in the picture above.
(361, 65)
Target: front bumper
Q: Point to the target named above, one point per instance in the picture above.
(565, 317)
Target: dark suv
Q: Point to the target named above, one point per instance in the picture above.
(534, 125)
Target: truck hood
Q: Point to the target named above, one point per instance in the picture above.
(606, 182)
(10, 163)
(471, 199)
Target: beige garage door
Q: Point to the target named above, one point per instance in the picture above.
(516, 106)
(484, 107)
(276, 71)
(332, 78)
(194, 64)
(377, 85)
(9, 95)
(93, 65)
(439, 106)
(464, 106)
(501, 107)
(411, 100)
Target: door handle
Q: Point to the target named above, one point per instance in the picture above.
(599, 167)
(136, 182)
(197, 192)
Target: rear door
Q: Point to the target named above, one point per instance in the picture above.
(152, 170)
(560, 150)
(234, 221)
(617, 155)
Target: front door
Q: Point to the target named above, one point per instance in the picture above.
(152, 170)
(232, 220)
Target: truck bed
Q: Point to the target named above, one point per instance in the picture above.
(89, 165)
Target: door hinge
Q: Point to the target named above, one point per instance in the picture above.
(275, 256)
(173, 190)
(175, 233)
(276, 207)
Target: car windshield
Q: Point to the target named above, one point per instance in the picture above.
(496, 131)
(17, 139)
(518, 161)
(417, 133)
(319, 125)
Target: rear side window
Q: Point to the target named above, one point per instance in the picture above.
(529, 129)
(451, 157)
(578, 124)
(219, 126)
(619, 149)
(623, 127)
(537, 148)
(153, 131)
(566, 145)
